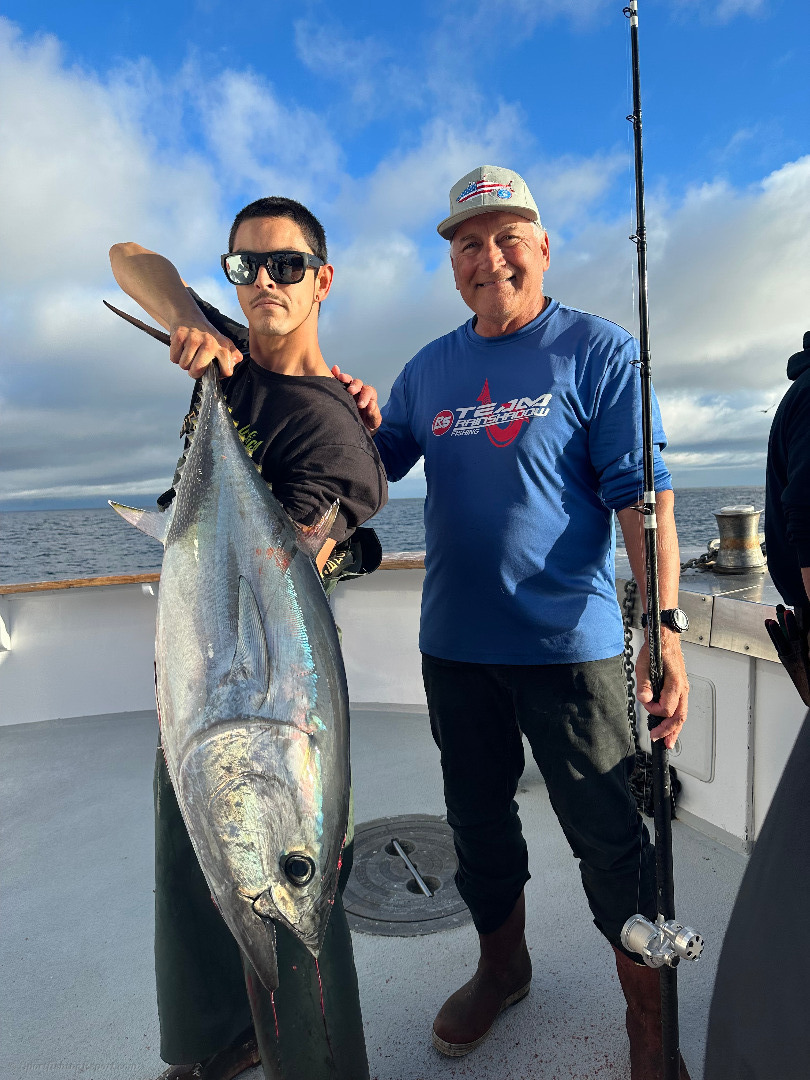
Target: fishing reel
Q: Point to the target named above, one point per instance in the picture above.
(661, 942)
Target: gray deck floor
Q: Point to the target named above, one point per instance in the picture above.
(77, 995)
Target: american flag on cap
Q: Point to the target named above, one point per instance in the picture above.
(483, 186)
(488, 189)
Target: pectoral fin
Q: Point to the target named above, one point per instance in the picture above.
(152, 522)
(311, 538)
(252, 657)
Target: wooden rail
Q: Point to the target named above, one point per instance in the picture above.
(395, 560)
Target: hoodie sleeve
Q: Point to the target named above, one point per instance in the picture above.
(796, 494)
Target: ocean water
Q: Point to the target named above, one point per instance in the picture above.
(54, 545)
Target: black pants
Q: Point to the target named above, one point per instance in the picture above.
(575, 719)
(208, 993)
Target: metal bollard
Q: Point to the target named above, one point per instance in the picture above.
(740, 551)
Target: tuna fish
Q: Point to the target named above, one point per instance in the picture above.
(251, 692)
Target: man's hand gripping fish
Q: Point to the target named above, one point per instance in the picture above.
(251, 692)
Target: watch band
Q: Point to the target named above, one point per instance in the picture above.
(674, 619)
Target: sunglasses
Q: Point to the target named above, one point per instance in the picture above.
(284, 267)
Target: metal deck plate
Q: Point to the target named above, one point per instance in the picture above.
(382, 896)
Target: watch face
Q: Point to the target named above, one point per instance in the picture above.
(674, 618)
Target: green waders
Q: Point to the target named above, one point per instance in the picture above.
(207, 999)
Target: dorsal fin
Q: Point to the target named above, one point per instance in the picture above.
(154, 523)
(251, 660)
(311, 538)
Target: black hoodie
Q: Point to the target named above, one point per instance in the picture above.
(787, 496)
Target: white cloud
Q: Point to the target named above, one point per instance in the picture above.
(409, 189)
(468, 23)
(566, 189)
(263, 145)
(375, 82)
(89, 404)
(387, 306)
(735, 274)
(729, 286)
(75, 170)
(729, 276)
(722, 11)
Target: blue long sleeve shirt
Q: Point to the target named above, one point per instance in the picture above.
(530, 441)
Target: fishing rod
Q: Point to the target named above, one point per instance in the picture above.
(664, 943)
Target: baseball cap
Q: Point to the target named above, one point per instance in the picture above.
(487, 189)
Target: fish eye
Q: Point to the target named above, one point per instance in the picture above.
(299, 868)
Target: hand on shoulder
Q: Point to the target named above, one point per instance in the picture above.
(365, 398)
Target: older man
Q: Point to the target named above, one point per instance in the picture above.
(528, 418)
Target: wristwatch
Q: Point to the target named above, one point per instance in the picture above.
(674, 618)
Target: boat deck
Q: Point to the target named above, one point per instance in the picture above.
(77, 995)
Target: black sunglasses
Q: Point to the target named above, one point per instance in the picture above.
(284, 267)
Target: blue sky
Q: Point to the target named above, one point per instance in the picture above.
(156, 122)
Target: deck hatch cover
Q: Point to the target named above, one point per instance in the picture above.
(382, 896)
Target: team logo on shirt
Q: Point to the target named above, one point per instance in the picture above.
(502, 423)
(442, 422)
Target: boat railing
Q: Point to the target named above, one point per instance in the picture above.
(85, 647)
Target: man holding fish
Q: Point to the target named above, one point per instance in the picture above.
(528, 418)
(306, 438)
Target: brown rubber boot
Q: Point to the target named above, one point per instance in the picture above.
(225, 1065)
(503, 977)
(642, 992)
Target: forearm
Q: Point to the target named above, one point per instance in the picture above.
(154, 283)
(806, 580)
(669, 563)
(671, 705)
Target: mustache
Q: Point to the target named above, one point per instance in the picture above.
(265, 298)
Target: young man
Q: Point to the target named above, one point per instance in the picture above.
(305, 434)
(528, 417)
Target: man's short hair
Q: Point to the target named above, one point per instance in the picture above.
(276, 206)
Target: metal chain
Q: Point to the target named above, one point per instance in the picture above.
(629, 602)
(708, 559)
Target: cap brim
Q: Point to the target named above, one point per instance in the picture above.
(447, 227)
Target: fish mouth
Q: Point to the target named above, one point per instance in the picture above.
(309, 926)
(257, 938)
